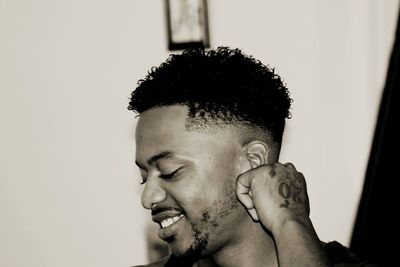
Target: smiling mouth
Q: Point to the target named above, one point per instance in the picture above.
(170, 221)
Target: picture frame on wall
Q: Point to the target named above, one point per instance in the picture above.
(187, 24)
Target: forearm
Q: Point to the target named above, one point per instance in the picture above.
(299, 246)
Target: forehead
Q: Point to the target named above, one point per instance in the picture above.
(164, 129)
(160, 123)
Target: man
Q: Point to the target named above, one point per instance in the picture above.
(207, 146)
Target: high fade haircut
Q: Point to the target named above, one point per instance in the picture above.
(218, 86)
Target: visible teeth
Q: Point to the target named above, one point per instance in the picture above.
(168, 222)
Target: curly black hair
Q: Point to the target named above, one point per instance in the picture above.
(222, 84)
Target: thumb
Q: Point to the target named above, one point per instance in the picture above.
(243, 193)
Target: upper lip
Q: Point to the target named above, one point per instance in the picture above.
(160, 216)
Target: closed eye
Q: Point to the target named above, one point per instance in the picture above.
(170, 175)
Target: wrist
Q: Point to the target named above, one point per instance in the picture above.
(289, 225)
(298, 244)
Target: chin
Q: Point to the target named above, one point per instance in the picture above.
(179, 246)
(189, 250)
(177, 249)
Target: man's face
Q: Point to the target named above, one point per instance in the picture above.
(190, 178)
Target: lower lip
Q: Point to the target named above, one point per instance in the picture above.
(165, 233)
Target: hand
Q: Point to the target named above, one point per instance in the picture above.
(274, 194)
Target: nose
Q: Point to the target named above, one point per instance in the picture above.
(153, 193)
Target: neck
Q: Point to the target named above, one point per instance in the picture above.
(251, 247)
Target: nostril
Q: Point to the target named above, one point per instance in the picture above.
(152, 194)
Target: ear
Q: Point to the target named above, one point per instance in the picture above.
(256, 153)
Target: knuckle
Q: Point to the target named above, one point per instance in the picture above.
(302, 179)
(299, 176)
(240, 177)
(290, 165)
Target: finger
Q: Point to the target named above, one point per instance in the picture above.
(253, 214)
(290, 166)
(306, 194)
(291, 170)
(300, 181)
(243, 191)
(246, 200)
(245, 196)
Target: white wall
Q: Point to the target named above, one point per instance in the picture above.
(68, 185)
(333, 56)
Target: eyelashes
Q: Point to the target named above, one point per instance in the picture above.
(166, 176)
(169, 175)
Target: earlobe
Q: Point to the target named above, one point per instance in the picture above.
(256, 153)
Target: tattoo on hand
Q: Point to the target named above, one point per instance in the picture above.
(298, 186)
(285, 204)
(297, 197)
(287, 191)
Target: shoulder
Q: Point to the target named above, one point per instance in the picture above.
(342, 256)
(160, 263)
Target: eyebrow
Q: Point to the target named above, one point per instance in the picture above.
(155, 158)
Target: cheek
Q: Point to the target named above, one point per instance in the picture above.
(208, 187)
(188, 192)
(229, 165)
(198, 194)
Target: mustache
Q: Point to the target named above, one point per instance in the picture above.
(157, 210)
